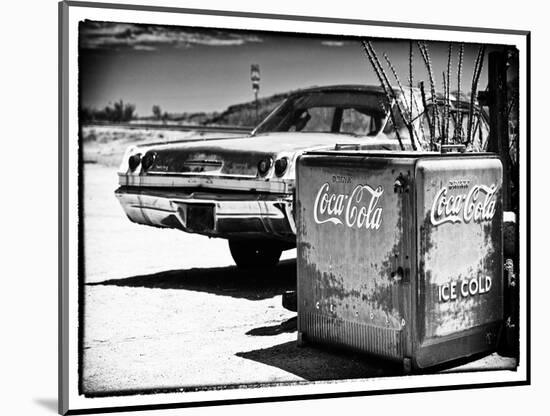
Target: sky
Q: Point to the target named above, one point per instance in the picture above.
(186, 69)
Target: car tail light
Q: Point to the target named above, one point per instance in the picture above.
(281, 166)
(133, 161)
(148, 160)
(264, 165)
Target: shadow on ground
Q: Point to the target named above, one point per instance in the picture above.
(484, 361)
(314, 363)
(253, 284)
(286, 326)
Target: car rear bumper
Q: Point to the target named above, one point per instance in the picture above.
(226, 215)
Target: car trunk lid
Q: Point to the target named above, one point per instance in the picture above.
(233, 157)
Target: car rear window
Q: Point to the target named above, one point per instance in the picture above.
(358, 113)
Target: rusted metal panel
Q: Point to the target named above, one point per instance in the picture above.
(385, 342)
(389, 264)
(354, 265)
(459, 247)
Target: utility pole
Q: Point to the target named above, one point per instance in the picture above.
(497, 100)
(499, 142)
(255, 78)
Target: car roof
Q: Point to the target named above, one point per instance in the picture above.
(344, 87)
(377, 89)
(370, 88)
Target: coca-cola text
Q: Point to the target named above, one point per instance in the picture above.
(477, 205)
(356, 210)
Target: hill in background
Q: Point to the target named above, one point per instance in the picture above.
(243, 114)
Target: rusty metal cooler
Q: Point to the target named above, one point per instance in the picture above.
(400, 254)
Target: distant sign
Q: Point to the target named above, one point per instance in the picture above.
(255, 76)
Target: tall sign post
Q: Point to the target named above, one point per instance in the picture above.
(499, 141)
(255, 78)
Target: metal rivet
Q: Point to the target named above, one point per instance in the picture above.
(317, 305)
(402, 322)
(371, 315)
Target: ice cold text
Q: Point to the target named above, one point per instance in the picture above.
(464, 288)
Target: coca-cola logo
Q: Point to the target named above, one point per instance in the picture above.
(478, 204)
(357, 210)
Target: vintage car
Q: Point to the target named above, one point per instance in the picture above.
(241, 189)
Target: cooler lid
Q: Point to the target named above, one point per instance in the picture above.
(356, 150)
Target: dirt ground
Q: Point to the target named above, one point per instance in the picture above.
(168, 310)
(105, 145)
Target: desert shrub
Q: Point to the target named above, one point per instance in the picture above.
(157, 112)
(118, 112)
